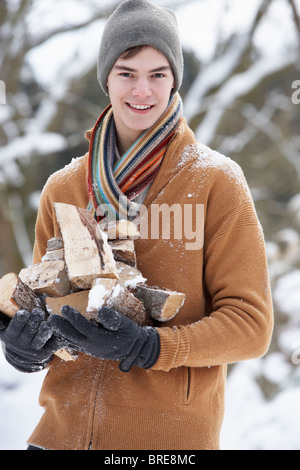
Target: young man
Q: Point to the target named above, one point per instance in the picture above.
(142, 152)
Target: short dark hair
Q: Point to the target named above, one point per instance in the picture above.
(132, 52)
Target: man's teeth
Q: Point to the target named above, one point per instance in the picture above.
(139, 106)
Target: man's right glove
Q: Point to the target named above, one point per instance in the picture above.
(28, 341)
(115, 337)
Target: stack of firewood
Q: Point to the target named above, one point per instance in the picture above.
(89, 266)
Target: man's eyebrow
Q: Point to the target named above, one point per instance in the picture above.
(123, 67)
(161, 69)
(128, 69)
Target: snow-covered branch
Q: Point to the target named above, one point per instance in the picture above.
(238, 86)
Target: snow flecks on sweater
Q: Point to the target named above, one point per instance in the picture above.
(68, 171)
(205, 159)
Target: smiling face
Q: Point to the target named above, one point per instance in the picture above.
(139, 89)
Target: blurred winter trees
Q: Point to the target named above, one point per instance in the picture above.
(237, 98)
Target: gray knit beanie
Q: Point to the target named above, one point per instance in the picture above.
(137, 23)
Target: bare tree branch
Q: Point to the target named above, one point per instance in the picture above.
(220, 70)
(101, 13)
(296, 17)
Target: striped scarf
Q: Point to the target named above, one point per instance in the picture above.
(113, 186)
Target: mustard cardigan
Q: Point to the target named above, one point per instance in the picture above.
(227, 316)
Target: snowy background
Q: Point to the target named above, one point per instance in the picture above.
(241, 60)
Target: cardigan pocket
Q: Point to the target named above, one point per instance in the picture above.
(187, 383)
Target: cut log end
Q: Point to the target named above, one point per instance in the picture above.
(16, 295)
(161, 305)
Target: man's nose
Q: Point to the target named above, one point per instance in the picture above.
(142, 88)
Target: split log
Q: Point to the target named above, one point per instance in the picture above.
(124, 251)
(153, 303)
(160, 304)
(55, 255)
(55, 250)
(130, 306)
(65, 355)
(103, 293)
(129, 277)
(101, 290)
(15, 295)
(48, 277)
(120, 229)
(118, 298)
(86, 250)
(54, 244)
(78, 300)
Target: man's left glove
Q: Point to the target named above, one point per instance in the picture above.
(115, 337)
(28, 341)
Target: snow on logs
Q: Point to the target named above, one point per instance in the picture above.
(87, 267)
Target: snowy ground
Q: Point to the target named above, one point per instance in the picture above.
(251, 422)
(19, 409)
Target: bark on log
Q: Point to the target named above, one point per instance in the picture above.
(124, 251)
(54, 244)
(130, 306)
(15, 295)
(55, 250)
(118, 298)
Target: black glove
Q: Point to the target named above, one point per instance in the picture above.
(4, 322)
(28, 341)
(115, 337)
